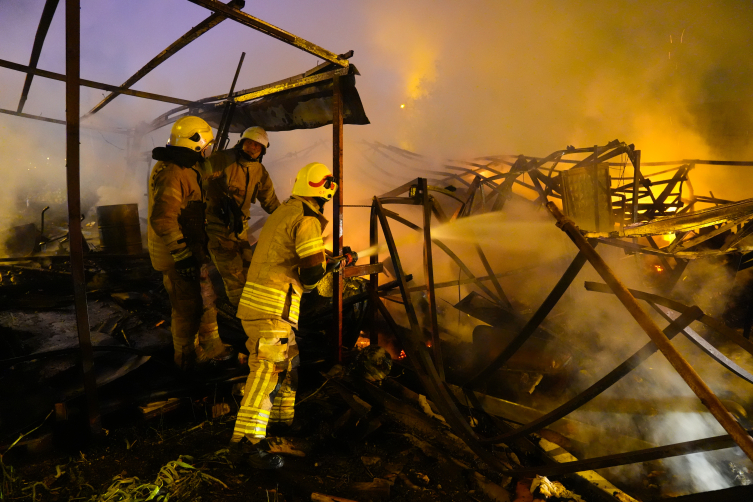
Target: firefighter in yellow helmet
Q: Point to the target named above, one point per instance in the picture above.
(238, 180)
(177, 240)
(289, 260)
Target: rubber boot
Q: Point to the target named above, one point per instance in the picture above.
(261, 458)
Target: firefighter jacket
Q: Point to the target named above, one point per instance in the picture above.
(235, 184)
(290, 240)
(176, 209)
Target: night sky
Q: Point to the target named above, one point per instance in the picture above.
(445, 79)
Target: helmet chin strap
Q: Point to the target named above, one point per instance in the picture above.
(321, 201)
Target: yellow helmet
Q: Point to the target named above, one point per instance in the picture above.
(191, 132)
(315, 180)
(257, 134)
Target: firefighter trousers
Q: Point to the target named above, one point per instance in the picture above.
(269, 394)
(194, 318)
(232, 258)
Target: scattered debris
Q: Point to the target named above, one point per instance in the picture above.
(542, 487)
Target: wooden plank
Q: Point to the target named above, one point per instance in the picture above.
(360, 270)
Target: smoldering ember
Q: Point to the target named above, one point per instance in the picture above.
(472, 292)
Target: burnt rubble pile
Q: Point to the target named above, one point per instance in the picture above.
(496, 394)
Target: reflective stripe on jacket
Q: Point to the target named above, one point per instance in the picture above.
(291, 239)
(246, 181)
(175, 202)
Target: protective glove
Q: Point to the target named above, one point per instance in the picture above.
(188, 267)
(333, 265)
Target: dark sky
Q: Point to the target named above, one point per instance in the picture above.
(476, 78)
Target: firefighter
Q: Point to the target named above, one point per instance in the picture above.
(238, 179)
(177, 240)
(289, 260)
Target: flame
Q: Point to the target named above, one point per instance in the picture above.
(402, 355)
(362, 342)
(659, 268)
(428, 344)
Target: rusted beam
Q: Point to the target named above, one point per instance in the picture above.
(73, 182)
(272, 31)
(431, 298)
(44, 25)
(90, 83)
(683, 368)
(160, 58)
(337, 216)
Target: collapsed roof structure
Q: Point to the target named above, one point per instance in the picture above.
(592, 207)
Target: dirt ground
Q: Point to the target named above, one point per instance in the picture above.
(334, 463)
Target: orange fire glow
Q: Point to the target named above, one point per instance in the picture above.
(659, 268)
(362, 342)
(402, 355)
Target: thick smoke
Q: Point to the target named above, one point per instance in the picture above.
(445, 80)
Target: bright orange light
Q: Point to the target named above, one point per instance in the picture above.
(428, 344)
(362, 342)
(402, 355)
(659, 268)
(402, 106)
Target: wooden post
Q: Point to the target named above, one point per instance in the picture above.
(73, 180)
(337, 216)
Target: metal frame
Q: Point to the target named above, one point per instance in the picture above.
(429, 369)
(73, 82)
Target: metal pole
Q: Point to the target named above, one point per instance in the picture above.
(374, 278)
(73, 179)
(337, 215)
(436, 345)
(636, 186)
(227, 115)
(686, 371)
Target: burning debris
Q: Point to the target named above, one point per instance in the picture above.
(508, 364)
